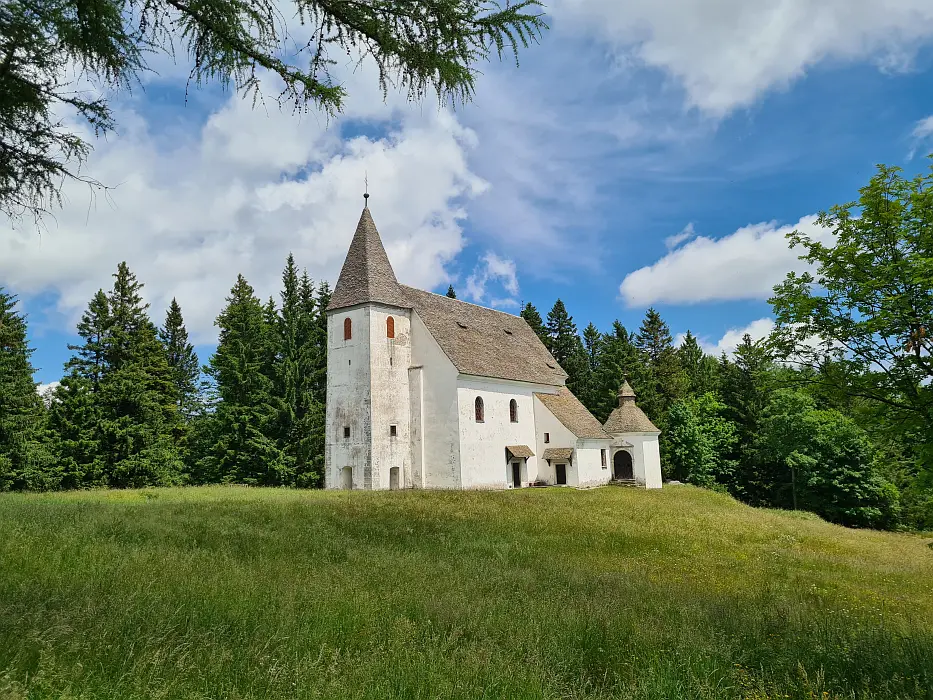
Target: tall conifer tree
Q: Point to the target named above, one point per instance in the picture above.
(565, 345)
(137, 395)
(667, 380)
(25, 459)
(75, 412)
(246, 415)
(533, 318)
(182, 361)
(451, 294)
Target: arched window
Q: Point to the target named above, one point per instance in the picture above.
(479, 409)
(513, 411)
(347, 328)
(390, 327)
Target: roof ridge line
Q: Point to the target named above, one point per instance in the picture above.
(460, 301)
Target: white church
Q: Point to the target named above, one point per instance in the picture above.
(428, 392)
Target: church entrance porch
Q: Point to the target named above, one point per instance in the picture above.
(622, 468)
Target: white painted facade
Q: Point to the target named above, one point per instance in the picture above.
(401, 398)
(368, 420)
(483, 459)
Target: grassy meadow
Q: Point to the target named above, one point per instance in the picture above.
(540, 593)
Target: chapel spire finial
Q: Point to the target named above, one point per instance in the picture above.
(366, 191)
(625, 393)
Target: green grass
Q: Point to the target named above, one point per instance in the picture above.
(540, 593)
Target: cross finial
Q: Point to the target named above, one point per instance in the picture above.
(366, 193)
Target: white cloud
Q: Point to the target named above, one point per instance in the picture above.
(686, 234)
(493, 268)
(921, 134)
(743, 265)
(728, 53)
(923, 128)
(732, 338)
(44, 389)
(191, 210)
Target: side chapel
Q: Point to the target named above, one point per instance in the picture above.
(424, 391)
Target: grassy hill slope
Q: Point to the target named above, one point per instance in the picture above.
(551, 593)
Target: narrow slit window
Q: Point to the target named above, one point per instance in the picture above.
(602, 456)
(513, 411)
(346, 431)
(393, 431)
(547, 437)
(347, 329)
(478, 409)
(390, 327)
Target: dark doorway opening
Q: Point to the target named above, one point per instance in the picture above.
(622, 466)
(561, 470)
(516, 475)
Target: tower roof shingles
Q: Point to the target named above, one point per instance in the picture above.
(367, 275)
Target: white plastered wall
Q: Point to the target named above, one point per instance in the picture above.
(483, 461)
(588, 460)
(390, 359)
(585, 469)
(560, 436)
(646, 456)
(434, 388)
(367, 392)
(348, 399)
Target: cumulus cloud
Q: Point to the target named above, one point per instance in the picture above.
(493, 268)
(728, 53)
(730, 340)
(743, 265)
(193, 208)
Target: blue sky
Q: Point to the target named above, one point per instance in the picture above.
(643, 154)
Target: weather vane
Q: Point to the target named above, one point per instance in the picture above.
(366, 182)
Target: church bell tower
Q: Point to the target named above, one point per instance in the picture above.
(367, 442)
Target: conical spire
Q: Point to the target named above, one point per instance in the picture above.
(367, 275)
(626, 393)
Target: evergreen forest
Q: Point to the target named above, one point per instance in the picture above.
(833, 413)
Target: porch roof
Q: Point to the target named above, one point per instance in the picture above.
(520, 451)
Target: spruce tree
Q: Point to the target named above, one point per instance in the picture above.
(701, 371)
(746, 389)
(76, 411)
(588, 389)
(182, 361)
(139, 418)
(450, 292)
(565, 345)
(619, 361)
(246, 418)
(667, 380)
(25, 459)
(533, 318)
(296, 377)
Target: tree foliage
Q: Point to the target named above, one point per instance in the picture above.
(417, 47)
(25, 458)
(863, 319)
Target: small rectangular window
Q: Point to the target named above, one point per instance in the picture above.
(346, 431)
(393, 430)
(547, 437)
(602, 457)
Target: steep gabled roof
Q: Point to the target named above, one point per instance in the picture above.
(485, 342)
(576, 418)
(367, 275)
